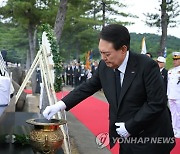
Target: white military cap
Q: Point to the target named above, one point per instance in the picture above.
(176, 55)
(161, 59)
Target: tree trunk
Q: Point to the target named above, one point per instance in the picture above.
(164, 18)
(31, 32)
(32, 46)
(104, 10)
(28, 60)
(94, 12)
(60, 18)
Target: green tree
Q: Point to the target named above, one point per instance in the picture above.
(79, 34)
(169, 61)
(83, 22)
(14, 40)
(30, 14)
(106, 11)
(169, 11)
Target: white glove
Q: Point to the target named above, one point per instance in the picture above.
(121, 130)
(53, 109)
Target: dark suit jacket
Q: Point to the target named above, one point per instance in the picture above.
(164, 73)
(141, 105)
(69, 71)
(93, 70)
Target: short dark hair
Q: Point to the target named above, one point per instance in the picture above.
(117, 34)
(148, 53)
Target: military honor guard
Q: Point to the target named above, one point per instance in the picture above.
(173, 92)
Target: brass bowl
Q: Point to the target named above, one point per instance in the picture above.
(46, 137)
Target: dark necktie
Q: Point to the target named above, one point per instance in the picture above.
(118, 84)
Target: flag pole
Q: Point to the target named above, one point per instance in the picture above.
(143, 49)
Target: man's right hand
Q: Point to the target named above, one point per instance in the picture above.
(53, 109)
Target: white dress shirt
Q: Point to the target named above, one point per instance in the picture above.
(122, 67)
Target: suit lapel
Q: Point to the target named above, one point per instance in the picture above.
(130, 73)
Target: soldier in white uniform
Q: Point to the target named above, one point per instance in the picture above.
(173, 92)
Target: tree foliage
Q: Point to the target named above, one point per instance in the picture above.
(166, 18)
(84, 19)
(29, 14)
(15, 41)
(107, 11)
(173, 11)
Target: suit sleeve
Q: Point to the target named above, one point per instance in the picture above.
(155, 103)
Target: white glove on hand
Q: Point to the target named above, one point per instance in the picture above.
(53, 109)
(121, 130)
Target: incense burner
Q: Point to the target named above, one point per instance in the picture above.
(46, 137)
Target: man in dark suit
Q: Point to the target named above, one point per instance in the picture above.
(94, 67)
(139, 110)
(69, 73)
(161, 62)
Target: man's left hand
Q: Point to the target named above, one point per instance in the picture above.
(121, 130)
